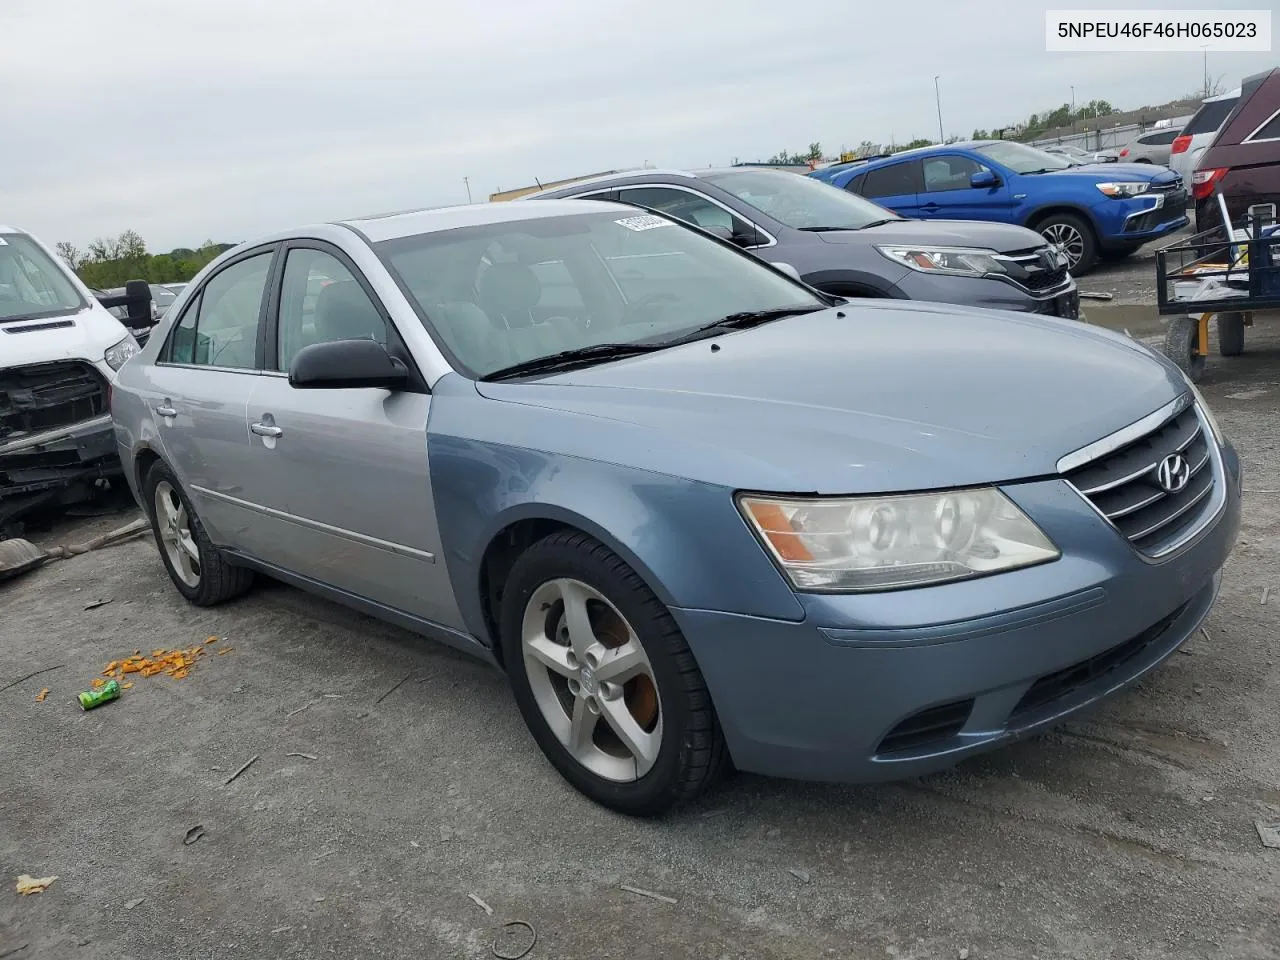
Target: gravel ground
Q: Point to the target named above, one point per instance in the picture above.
(1126, 834)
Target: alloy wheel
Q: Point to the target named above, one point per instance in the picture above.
(174, 527)
(592, 680)
(1068, 239)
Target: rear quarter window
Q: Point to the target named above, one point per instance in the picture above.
(1210, 117)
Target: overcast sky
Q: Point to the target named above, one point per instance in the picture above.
(223, 119)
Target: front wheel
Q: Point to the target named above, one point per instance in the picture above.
(1074, 237)
(605, 680)
(1182, 346)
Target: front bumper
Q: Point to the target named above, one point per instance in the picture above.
(1122, 223)
(893, 685)
(56, 466)
(1062, 300)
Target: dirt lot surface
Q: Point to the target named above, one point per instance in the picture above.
(395, 778)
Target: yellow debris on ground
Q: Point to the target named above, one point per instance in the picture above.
(172, 663)
(41, 695)
(28, 885)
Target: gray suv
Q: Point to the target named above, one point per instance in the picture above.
(846, 245)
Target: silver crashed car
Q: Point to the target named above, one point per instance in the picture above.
(700, 514)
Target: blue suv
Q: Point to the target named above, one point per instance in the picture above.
(1094, 211)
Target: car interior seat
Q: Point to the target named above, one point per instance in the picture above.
(343, 311)
(508, 293)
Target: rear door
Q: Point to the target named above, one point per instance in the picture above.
(947, 195)
(340, 476)
(199, 392)
(896, 186)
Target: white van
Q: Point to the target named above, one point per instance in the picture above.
(59, 353)
(1191, 143)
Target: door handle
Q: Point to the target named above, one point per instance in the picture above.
(166, 409)
(929, 206)
(266, 430)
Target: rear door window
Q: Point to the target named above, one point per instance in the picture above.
(220, 327)
(949, 173)
(895, 180)
(1162, 139)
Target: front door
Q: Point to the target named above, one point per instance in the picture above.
(948, 195)
(199, 392)
(340, 476)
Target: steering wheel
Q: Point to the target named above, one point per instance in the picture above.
(647, 303)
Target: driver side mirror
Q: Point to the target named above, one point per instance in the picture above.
(344, 364)
(984, 180)
(136, 300)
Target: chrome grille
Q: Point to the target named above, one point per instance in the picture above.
(1036, 269)
(1123, 484)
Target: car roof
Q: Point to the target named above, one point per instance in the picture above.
(4, 229)
(390, 226)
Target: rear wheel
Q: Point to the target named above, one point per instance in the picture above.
(197, 568)
(604, 678)
(1231, 334)
(1182, 346)
(1075, 238)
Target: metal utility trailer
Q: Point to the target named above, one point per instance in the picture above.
(1228, 273)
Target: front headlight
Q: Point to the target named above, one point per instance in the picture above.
(122, 351)
(959, 261)
(855, 544)
(1125, 189)
(1208, 414)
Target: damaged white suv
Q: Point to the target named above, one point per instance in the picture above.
(59, 353)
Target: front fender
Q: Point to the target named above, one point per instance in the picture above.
(684, 538)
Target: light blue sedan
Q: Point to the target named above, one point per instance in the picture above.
(700, 514)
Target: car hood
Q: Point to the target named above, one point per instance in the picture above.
(1001, 237)
(1104, 172)
(85, 335)
(868, 397)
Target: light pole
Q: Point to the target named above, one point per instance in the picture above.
(1073, 108)
(1205, 48)
(937, 94)
(467, 181)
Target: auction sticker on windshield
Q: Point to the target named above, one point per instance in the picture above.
(642, 223)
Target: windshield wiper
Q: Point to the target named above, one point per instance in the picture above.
(873, 223)
(740, 321)
(580, 356)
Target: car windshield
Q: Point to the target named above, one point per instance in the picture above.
(801, 202)
(31, 284)
(1020, 158)
(503, 294)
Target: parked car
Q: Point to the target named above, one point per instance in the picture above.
(699, 512)
(59, 352)
(1079, 156)
(1090, 212)
(1243, 161)
(1151, 147)
(1193, 139)
(849, 246)
(162, 297)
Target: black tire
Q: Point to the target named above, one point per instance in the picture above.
(692, 754)
(1083, 245)
(219, 580)
(1118, 253)
(1181, 345)
(1230, 334)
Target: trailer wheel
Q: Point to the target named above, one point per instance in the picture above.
(1181, 345)
(1231, 334)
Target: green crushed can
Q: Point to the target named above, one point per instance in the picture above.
(104, 694)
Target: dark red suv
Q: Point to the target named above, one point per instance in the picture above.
(1243, 162)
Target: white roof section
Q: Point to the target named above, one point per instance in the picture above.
(414, 222)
